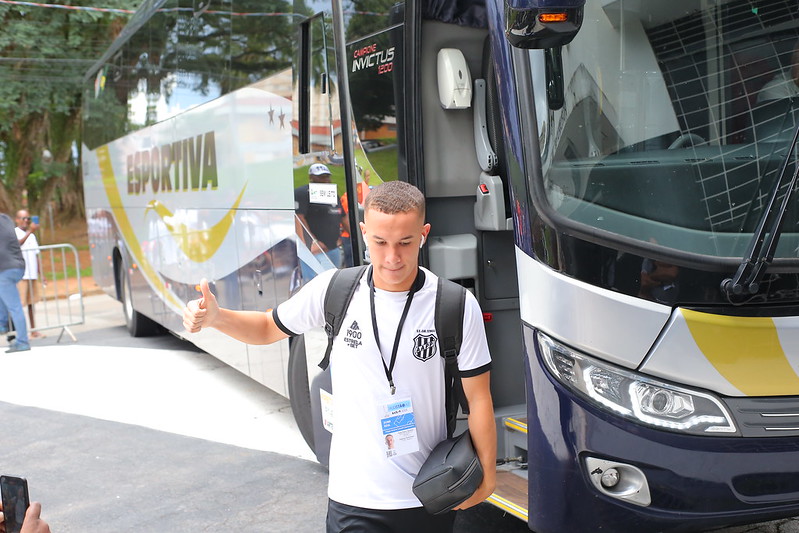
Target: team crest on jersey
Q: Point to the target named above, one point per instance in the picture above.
(424, 347)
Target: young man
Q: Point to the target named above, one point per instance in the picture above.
(374, 365)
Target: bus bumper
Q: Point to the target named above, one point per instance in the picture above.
(694, 483)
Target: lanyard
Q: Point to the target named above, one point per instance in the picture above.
(417, 284)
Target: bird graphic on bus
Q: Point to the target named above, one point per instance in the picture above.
(199, 245)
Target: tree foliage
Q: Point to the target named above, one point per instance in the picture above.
(44, 54)
(187, 56)
(203, 48)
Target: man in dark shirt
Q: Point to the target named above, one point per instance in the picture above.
(318, 221)
(12, 268)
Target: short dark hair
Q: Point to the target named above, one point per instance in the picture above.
(394, 197)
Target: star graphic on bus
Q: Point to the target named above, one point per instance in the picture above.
(282, 117)
(271, 115)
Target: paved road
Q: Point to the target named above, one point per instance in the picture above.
(116, 434)
(123, 435)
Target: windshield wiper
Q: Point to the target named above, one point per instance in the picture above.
(761, 248)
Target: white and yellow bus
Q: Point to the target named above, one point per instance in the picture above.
(614, 179)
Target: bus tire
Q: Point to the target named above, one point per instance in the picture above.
(299, 392)
(138, 325)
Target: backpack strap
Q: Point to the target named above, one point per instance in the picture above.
(450, 304)
(337, 300)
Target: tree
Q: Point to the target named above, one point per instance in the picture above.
(370, 16)
(187, 56)
(44, 54)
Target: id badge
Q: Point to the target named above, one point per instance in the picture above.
(326, 402)
(323, 193)
(398, 427)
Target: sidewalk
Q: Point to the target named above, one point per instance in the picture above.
(160, 382)
(120, 434)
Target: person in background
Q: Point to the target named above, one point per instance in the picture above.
(319, 216)
(362, 189)
(29, 285)
(785, 84)
(12, 267)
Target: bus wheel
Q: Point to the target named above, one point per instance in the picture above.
(299, 393)
(138, 324)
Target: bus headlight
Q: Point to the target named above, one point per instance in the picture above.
(633, 396)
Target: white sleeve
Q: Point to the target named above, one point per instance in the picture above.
(305, 310)
(474, 357)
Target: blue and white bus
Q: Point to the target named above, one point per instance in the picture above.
(613, 179)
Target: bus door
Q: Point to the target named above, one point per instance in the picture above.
(423, 95)
(341, 50)
(465, 179)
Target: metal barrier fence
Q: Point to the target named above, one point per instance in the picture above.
(56, 296)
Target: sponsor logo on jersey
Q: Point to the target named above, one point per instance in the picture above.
(353, 335)
(424, 347)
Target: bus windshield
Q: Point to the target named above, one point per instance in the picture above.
(670, 122)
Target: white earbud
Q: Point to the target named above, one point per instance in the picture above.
(422, 243)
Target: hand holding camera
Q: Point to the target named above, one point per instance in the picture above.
(17, 513)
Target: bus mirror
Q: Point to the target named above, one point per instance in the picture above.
(541, 24)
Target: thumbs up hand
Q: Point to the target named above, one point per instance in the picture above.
(202, 312)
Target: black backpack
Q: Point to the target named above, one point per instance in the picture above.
(450, 302)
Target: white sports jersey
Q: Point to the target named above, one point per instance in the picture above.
(30, 249)
(360, 473)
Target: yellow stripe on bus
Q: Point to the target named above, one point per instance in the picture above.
(134, 246)
(746, 351)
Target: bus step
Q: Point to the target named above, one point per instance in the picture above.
(514, 440)
(511, 493)
(516, 423)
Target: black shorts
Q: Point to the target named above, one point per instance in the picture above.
(343, 518)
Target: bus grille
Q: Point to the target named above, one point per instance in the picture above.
(766, 417)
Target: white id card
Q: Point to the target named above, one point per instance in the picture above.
(323, 193)
(327, 409)
(398, 427)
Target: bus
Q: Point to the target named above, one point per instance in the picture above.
(613, 179)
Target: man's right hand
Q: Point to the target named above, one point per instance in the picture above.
(201, 313)
(33, 522)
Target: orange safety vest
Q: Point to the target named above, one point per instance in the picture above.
(345, 204)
